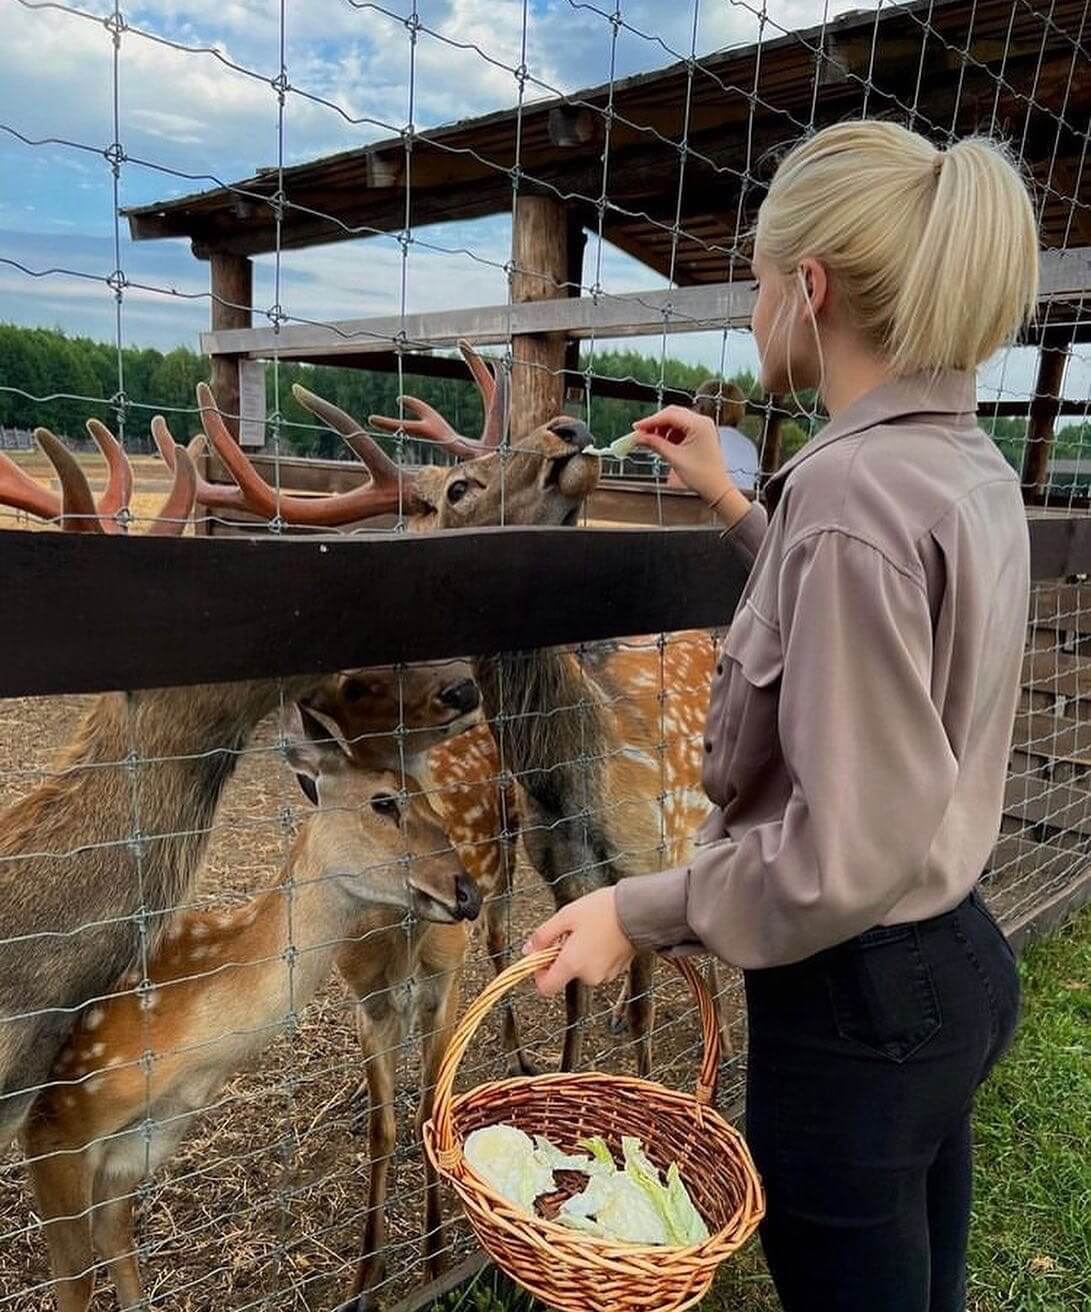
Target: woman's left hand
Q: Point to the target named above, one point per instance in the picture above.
(596, 949)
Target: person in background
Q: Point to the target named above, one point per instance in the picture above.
(725, 405)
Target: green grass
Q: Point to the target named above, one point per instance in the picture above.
(1030, 1246)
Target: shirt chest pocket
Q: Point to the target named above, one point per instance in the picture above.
(745, 701)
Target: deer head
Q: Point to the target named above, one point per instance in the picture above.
(76, 510)
(394, 715)
(383, 842)
(541, 478)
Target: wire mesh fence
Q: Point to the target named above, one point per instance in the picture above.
(218, 1027)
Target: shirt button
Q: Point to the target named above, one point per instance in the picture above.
(720, 668)
(708, 745)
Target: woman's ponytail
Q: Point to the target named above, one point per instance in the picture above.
(972, 279)
(935, 253)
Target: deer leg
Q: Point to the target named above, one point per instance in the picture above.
(112, 1234)
(379, 1029)
(577, 1003)
(62, 1187)
(619, 1011)
(436, 1015)
(642, 1010)
(498, 946)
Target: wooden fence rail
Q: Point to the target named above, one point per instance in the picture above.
(86, 614)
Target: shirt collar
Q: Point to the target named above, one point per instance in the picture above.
(951, 393)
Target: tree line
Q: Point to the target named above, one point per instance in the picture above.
(77, 377)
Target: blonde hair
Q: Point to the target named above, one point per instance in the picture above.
(934, 253)
(721, 402)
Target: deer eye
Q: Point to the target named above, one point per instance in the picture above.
(457, 490)
(352, 690)
(386, 806)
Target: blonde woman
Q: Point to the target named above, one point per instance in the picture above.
(860, 720)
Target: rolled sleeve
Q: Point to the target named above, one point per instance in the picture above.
(653, 908)
(748, 534)
(871, 767)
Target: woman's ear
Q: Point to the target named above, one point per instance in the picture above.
(814, 285)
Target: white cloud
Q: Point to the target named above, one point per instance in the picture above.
(188, 119)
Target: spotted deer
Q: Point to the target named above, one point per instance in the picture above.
(220, 986)
(103, 850)
(583, 741)
(464, 783)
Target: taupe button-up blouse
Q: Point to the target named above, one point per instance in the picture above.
(861, 717)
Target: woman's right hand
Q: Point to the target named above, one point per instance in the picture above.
(690, 444)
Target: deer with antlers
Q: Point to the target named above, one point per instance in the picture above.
(101, 853)
(582, 737)
(222, 985)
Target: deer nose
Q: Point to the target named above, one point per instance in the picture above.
(463, 696)
(467, 898)
(569, 430)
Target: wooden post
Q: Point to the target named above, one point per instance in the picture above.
(540, 255)
(770, 438)
(577, 244)
(232, 284)
(1044, 407)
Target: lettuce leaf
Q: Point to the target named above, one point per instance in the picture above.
(504, 1157)
(671, 1202)
(632, 1205)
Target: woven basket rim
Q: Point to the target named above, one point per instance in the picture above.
(465, 1176)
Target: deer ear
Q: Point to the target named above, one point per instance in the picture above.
(313, 743)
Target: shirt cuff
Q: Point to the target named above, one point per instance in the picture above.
(652, 909)
(747, 535)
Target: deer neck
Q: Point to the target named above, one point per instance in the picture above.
(146, 766)
(555, 732)
(284, 940)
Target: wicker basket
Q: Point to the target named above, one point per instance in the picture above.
(566, 1268)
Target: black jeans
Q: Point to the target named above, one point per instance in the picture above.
(863, 1064)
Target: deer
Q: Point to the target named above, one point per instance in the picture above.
(104, 850)
(583, 743)
(220, 986)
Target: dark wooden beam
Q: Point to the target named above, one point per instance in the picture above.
(444, 366)
(211, 609)
(1043, 411)
(232, 285)
(540, 230)
(1060, 546)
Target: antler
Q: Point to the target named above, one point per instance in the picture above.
(494, 388)
(253, 493)
(77, 509)
(18, 489)
(119, 483)
(79, 514)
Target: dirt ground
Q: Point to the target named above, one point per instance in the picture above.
(264, 1203)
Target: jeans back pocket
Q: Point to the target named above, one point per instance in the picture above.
(882, 992)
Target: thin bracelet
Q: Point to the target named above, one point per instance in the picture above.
(713, 504)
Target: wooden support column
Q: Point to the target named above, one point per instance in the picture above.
(1044, 407)
(232, 283)
(577, 244)
(770, 438)
(540, 255)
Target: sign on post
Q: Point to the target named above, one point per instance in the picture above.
(252, 403)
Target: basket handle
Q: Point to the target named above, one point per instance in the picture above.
(448, 1153)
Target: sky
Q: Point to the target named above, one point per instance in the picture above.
(196, 107)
